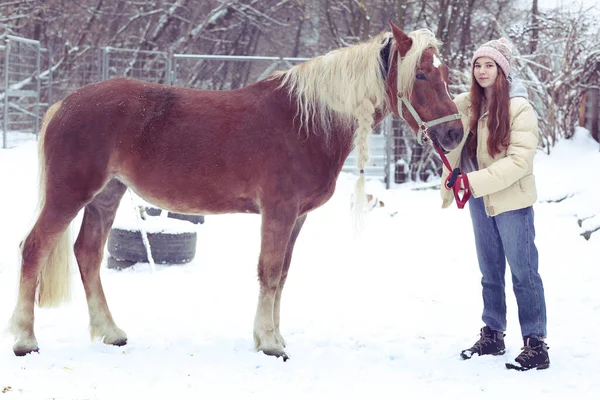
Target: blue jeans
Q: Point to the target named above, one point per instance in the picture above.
(509, 236)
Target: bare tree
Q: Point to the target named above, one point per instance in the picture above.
(534, 27)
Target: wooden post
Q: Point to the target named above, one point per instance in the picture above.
(583, 108)
(594, 115)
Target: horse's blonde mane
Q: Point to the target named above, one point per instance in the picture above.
(347, 86)
(422, 40)
(334, 85)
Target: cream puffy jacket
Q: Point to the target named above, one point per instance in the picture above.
(506, 181)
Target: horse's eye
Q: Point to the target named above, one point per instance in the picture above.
(421, 76)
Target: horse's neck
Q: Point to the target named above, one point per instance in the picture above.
(336, 141)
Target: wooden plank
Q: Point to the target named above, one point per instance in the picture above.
(594, 115)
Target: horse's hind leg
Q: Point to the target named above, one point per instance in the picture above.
(277, 226)
(98, 218)
(45, 264)
(284, 273)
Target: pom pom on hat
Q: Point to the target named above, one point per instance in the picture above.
(499, 50)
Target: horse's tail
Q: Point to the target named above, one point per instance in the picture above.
(364, 116)
(54, 283)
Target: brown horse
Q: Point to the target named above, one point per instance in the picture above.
(275, 147)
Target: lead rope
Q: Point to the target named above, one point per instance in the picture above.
(143, 231)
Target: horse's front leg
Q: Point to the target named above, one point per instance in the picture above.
(277, 226)
(286, 266)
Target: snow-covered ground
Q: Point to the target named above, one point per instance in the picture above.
(380, 316)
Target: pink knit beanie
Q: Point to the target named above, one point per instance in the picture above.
(498, 50)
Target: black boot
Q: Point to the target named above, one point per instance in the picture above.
(534, 354)
(490, 342)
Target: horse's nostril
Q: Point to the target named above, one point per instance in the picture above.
(454, 135)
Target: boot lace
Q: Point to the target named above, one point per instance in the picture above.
(527, 353)
(483, 341)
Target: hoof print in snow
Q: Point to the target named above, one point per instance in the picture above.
(126, 247)
(589, 225)
(588, 234)
(559, 199)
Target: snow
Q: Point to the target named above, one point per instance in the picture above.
(380, 315)
(128, 217)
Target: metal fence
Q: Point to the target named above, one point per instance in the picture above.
(151, 66)
(21, 94)
(26, 92)
(411, 161)
(381, 155)
(73, 72)
(217, 72)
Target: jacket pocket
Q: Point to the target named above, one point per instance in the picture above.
(527, 183)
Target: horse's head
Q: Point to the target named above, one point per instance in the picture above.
(418, 89)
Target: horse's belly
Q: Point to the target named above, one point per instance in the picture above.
(319, 199)
(204, 207)
(189, 199)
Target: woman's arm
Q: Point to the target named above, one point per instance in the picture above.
(519, 155)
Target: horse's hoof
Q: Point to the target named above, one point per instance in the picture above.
(26, 345)
(119, 343)
(112, 336)
(21, 351)
(277, 354)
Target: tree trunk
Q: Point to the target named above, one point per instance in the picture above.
(534, 27)
(401, 13)
(465, 43)
(308, 31)
(443, 21)
(451, 28)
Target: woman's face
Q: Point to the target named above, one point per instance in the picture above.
(485, 71)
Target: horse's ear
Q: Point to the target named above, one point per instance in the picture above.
(403, 41)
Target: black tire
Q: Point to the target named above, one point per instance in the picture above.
(153, 211)
(167, 248)
(194, 219)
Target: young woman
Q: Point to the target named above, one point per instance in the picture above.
(497, 157)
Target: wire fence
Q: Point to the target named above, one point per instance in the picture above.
(216, 72)
(82, 68)
(21, 95)
(412, 162)
(151, 66)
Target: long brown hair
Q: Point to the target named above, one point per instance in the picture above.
(498, 117)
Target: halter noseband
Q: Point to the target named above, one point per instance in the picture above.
(423, 131)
